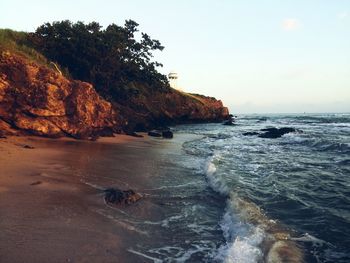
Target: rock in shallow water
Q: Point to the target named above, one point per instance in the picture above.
(275, 132)
(167, 134)
(154, 134)
(120, 197)
(272, 133)
(250, 133)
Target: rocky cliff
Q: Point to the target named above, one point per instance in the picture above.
(153, 109)
(35, 99)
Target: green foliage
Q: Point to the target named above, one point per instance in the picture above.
(18, 43)
(10, 38)
(112, 58)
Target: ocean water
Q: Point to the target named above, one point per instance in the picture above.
(242, 198)
(296, 186)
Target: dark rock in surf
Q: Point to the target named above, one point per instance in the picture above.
(167, 134)
(229, 122)
(250, 133)
(155, 133)
(113, 195)
(131, 197)
(120, 197)
(273, 133)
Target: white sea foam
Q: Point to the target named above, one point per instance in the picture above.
(245, 249)
(187, 255)
(172, 186)
(199, 228)
(155, 260)
(128, 224)
(242, 239)
(179, 254)
(165, 222)
(98, 187)
(216, 182)
(294, 138)
(308, 238)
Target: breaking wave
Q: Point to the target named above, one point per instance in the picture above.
(250, 235)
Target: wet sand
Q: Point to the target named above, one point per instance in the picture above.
(51, 208)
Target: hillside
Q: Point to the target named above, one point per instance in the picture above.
(40, 96)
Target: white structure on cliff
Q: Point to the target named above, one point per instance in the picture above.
(172, 76)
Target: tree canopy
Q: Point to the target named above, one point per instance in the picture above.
(110, 58)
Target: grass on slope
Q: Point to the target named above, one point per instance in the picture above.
(192, 96)
(16, 42)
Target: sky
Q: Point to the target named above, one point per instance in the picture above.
(257, 56)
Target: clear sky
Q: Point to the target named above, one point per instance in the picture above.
(257, 56)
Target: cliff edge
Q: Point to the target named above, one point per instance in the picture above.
(154, 108)
(37, 100)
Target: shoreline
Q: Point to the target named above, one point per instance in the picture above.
(50, 209)
(183, 216)
(53, 208)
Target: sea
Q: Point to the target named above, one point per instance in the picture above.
(232, 198)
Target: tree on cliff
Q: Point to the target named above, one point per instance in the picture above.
(112, 58)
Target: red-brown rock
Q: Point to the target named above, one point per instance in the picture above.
(39, 101)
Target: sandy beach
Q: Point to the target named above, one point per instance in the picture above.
(52, 208)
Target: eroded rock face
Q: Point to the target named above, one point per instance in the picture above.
(37, 100)
(171, 107)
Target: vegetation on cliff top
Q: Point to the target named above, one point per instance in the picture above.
(112, 59)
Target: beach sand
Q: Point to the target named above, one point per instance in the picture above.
(51, 208)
